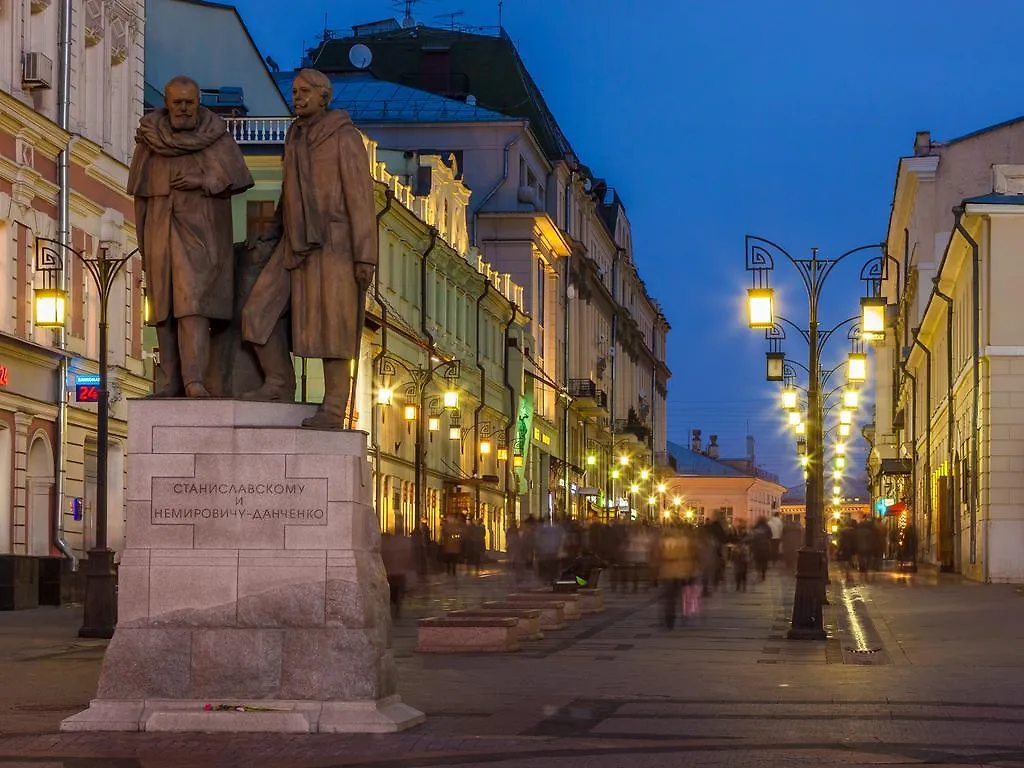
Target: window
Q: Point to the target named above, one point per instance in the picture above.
(259, 218)
(541, 301)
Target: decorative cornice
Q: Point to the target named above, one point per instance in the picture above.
(924, 167)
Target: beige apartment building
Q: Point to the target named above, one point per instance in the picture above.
(439, 320)
(48, 456)
(948, 412)
(706, 487)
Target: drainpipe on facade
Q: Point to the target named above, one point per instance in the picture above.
(928, 434)
(976, 406)
(950, 423)
(501, 182)
(913, 440)
(378, 485)
(483, 398)
(566, 399)
(64, 236)
(611, 354)
(513, 411)
(419, 469)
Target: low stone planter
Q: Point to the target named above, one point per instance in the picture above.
(573, 603)
(468, 634)
(528, 627)
(591, 600)
(552, 613)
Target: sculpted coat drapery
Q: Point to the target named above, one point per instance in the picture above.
(328, 222)
(185, 235)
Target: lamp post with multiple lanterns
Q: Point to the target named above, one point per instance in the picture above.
(51, 258)
(412, 410)
(760, 262)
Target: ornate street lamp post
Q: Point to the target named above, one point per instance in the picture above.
(811, 574)
(51, 258)
(412, 412)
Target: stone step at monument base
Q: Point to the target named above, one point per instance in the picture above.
(261, 715)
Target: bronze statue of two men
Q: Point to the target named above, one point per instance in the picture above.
(185, 170)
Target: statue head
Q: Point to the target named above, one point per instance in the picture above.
(311, 93)
(181, 97)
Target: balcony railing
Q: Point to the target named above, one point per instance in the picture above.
(627, 427)
(258, 130)
(585, 388)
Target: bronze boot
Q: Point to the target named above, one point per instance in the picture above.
(170, 360)
(278, 370)
(337, 384)
(194, 345)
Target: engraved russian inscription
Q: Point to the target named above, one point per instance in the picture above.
(243, 500)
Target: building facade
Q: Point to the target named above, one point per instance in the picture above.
(706, 487)
(48, 454)
(597, 361)
(946, 423)
(440, 321)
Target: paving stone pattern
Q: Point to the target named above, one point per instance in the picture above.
(939, 685)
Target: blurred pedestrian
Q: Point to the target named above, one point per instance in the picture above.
(677, 566)
(775, 527)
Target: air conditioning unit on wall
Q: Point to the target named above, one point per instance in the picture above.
(36, 72)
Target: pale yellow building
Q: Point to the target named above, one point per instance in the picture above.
(948, 406)
(439, 320)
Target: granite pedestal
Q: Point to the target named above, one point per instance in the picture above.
(251, 593)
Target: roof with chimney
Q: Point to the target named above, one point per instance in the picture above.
(690, 462)
(484, 69)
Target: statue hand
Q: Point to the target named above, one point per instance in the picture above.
(364, 275)
(187, 181)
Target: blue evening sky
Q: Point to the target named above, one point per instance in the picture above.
(717, 118)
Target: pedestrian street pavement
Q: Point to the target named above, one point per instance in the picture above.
(921, 670)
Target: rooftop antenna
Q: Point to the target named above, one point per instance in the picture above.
(500, 4)
(409, 21)
(451, 18)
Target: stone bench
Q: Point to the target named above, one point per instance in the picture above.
(529, 619)
(591, 600)
(552, 614)
(468, 634)
(573, 603)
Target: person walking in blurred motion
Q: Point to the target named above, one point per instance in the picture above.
(514, 549)
(775, 527)
(740, 556)
(761, 547)
(866, 536)
(452, 540)
(638, 552)
(396, 552)
(475, 543)
(846, 550)
(549, 551)
(677, 565)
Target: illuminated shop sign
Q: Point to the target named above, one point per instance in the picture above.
(87, 388)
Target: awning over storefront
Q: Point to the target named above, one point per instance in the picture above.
(897, 467)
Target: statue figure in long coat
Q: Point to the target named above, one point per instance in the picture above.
(325, 259)
(184, 171)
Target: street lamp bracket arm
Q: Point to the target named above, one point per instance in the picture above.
(51, 259)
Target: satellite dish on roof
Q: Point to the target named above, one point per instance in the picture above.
(587, 185)
(360, 56)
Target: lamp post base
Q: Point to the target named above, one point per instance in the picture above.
(99, 613)
(809, 597)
